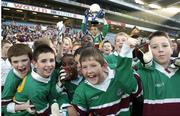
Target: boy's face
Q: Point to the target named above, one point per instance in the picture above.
(21, 64)
(45, 64)
(161, 50)
(120, 40)
(107, 48)
(94, 30)
(86, 40)
(93, 71)
(69, 64)
(5, 48)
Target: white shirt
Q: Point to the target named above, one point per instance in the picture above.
(5, 68)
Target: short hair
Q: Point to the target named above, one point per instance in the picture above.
(92, 52)
(87, 41)
(65, 56)
(121, 34)
(160, 33)
(107, 41)
(41, 41)
(42, 49)
(78, 51)
(4, 41)
(19, 50)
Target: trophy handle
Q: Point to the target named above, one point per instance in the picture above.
(100, 13)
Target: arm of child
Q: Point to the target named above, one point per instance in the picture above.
(10, 88)
(79, 101)
(41, 104)
(105, 27)
(13, 107)
(124, 71)
(72, 111)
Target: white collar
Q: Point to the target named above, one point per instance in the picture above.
(116, 53)
(162, 69)
(77, 81)
(39, 78)
(17, 73)
(105, 84)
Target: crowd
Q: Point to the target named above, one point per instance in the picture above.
(86, 74)
(19, 32)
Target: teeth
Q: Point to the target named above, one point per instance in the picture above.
(23, 69)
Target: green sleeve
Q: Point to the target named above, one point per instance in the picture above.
(125, 74)
(82, 27)
(10, 86)
(105, 29)
(3, 109)
(111, 60)
(79, 98)
(39, 101)
(63, 99)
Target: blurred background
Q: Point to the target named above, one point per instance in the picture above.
(122, 15)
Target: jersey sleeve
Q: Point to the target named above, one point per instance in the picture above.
(10, 87)
(105, 29)
(128, 79)
(79, 101)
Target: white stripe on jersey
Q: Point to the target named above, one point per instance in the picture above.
(41, 111)
(161, 101)
(18, 101)
(5, 100)
(81, 108)
(122, 110)
(109, 104)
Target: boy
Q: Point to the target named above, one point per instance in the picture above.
(19, 55)
(5, 65)
(103, 92)
(120, 38)
(95, 33)
(107, 47)
(160, 82)
(36, 87)
(71, 79)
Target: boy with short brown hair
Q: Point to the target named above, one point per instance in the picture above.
(20, 56)
(105, 92)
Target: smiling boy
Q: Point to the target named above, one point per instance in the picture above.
(104, 92)
(20, 56)
(36, 87)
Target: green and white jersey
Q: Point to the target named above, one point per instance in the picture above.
(112, 96)
(111, 60)
(72, 85)
(161, 90)
(109, 98)
(12, 82)
(36, 89)
(100, 36)
(61, 97)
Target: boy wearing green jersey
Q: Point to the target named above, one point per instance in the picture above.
(20, 56)
(105, 92)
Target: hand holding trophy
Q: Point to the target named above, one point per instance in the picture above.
(93, 13)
